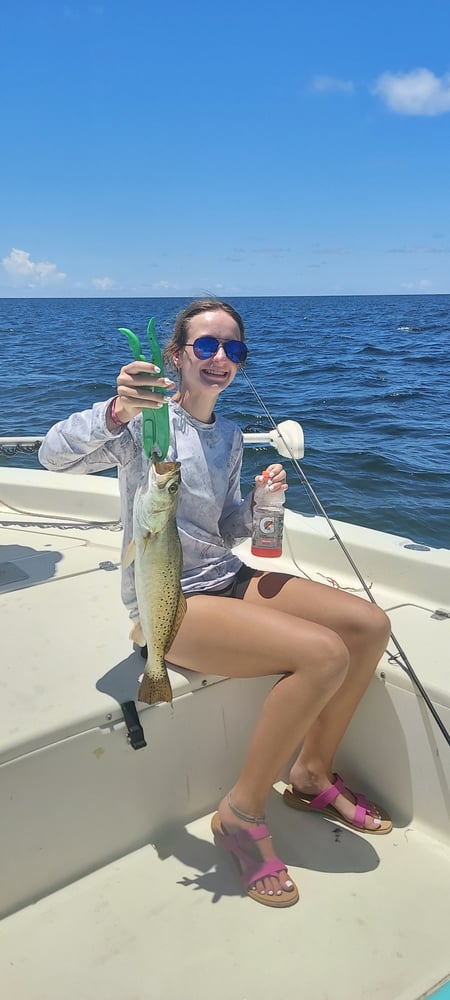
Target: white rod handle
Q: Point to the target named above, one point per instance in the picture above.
(287, 439)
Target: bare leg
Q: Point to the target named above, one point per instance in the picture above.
(243, 640)
(364, 628)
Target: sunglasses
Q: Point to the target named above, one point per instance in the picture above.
(206, 347)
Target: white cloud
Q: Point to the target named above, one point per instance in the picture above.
(330, 84)
(419, 92)
(25, 271)
(423, 285)
(103, 284)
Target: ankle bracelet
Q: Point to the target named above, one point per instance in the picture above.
(242, 815)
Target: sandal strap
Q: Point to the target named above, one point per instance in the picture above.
(242, 837)
(252, 868)
(330, 794)
(239, 845)
(270, 868)
(359, 816)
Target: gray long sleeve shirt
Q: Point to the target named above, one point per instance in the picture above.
(211, 515)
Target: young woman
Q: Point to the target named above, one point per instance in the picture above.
(325, 644)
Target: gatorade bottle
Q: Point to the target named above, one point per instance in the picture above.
(268, 520)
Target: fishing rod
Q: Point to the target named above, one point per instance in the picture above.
(316, 502)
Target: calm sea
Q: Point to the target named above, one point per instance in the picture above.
(368, 377)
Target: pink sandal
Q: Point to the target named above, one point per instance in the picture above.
(323, 803)
(250, 869)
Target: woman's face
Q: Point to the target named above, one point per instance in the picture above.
(217, 372)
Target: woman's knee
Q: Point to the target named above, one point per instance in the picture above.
(374, 625)
(331, 660)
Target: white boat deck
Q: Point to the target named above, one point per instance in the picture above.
(369, 923)
(110, 884)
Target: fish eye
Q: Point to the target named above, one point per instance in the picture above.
(173, 488)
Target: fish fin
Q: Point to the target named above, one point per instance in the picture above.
(179, 615)
(153, 689)
(137, 635)
(146, 540)
(129, 554)
(158, 688)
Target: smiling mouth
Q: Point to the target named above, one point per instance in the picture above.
(215, 373)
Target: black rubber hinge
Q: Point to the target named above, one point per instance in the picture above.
(135, 731)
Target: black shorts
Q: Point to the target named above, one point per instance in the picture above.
(236, 588)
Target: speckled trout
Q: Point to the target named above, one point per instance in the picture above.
(156, 550)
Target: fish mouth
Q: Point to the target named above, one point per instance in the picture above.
(164, 474)
(165, 468)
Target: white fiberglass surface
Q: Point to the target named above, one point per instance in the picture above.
(170, 921)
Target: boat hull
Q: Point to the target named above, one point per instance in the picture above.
(106, 851)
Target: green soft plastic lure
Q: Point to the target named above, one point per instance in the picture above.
(155, 423)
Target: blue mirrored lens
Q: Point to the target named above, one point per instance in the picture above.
(205, 347)
(235, 350)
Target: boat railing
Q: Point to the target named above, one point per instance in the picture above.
(287, 439)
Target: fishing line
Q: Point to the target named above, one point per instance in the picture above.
(317, 504)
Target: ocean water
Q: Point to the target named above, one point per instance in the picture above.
(368, 377)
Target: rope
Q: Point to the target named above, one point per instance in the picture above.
(9, 450)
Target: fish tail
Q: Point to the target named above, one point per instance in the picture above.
(154, 689)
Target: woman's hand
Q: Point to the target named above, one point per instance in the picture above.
(135, 383)
(275, 476)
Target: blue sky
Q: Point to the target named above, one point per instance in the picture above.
(177, 147)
